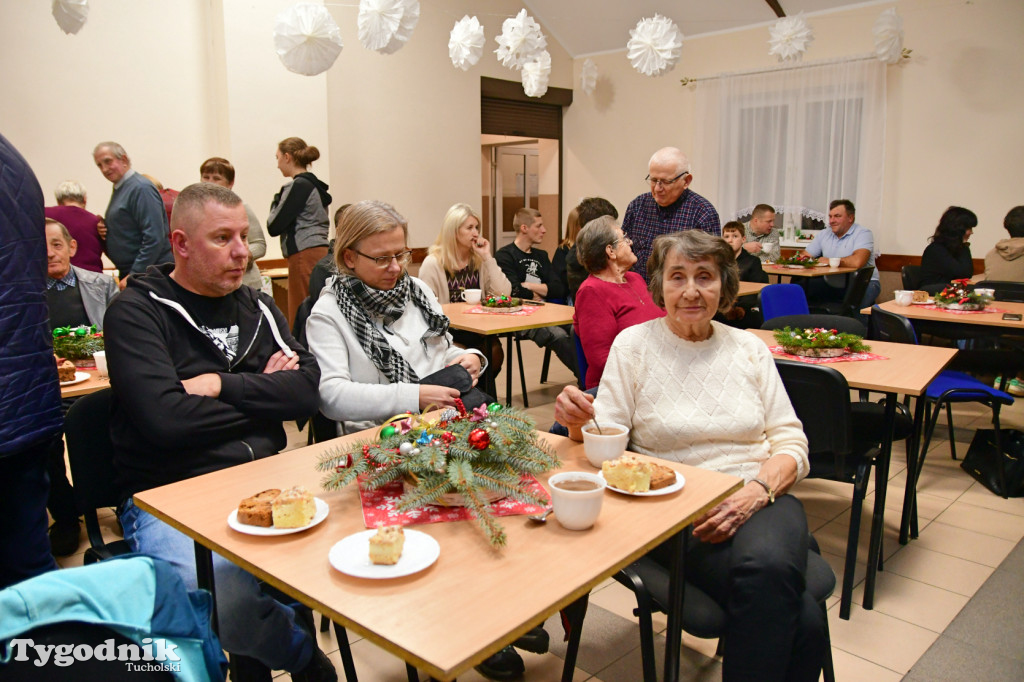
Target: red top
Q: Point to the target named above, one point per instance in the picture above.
(603, 309)
(81, 225)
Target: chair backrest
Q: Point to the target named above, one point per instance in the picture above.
(91, 456)
(841, 323)
(783, 299)
(855, 291)
(1012, 292)
(892, 327)
(911, 276)
(816, 391)
(581, 360)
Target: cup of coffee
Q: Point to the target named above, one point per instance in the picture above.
(834, 262)
(101, 362)
(576, 497)
(608, 443)
(988, 293)
(471, 295)
(904, 296)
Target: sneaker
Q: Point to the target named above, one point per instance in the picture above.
(504, 666)
(1015, 387)
(64, 537)
(997, 382)
(319, 669)
(535, 641)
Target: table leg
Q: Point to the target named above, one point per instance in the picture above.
(489, 383)
(204, 576)
(674, 631)
(509, 342)
(574, 613)
(878, 517)
(908, 520)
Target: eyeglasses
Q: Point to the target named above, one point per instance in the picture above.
(654, 182)
(629, 242)
(383, 262)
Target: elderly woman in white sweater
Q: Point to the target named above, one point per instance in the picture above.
(695, 391)
(376, 331)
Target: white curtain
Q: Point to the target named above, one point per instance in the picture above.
(795, 138)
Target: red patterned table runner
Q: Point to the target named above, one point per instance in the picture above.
(527, 310)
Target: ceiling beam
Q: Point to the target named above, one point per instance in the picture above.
(776, 7)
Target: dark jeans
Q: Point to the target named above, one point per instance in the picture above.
(558, 340)
(61, 502)
(24, 545)
(775, 630)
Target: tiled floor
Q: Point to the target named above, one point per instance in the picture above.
(924, 623)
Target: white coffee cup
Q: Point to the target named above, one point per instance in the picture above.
(834, 262)
(904, 296)
(576, 509)
(990, 293)
(101, 362)
(471, 295)
(600, 447)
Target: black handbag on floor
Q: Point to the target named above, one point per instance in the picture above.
(983, 464)
(456, 376)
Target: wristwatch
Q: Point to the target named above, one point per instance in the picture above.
(767, 488)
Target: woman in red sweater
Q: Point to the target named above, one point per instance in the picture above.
(611, 298)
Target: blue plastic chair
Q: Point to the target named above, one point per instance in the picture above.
(581, 359)
(783, 299)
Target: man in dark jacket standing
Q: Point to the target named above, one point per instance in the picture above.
(203, 372)
(30, 414)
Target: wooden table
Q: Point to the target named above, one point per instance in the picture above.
(907, 370)
(94, 383)
(995, 320)
(474, 600)
(748, 288)
(781, 271)
(497, 324)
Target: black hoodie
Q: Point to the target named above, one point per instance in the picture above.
(162, 434)
(298, 214)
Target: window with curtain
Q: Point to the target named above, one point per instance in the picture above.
(796, 138)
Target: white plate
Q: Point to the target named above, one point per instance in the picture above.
(667, 490)
(352, 555)
(321, 514)
(930, 301)
(79, 378)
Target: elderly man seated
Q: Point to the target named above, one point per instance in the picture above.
(75, 297)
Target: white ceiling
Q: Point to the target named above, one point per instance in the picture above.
(586, 27)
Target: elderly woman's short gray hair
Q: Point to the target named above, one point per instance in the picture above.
(592, 241)
(69, 190)
(694, 245)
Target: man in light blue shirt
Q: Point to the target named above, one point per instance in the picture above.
(853, 244)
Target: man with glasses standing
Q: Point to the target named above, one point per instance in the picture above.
(669, 207)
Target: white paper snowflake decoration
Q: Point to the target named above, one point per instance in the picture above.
(383, 21)
(536, 74)
(790, 37)
(307, 39)
(520, 41)
(410, 18)
(888, 35)
(654, 45)
(466, 43)
(588, 76)
(70, 14)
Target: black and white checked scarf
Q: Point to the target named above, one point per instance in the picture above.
(357, 302)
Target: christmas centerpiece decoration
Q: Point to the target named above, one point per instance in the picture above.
(77, 343)
(474, 457)
(960, 295)
(500, 303)
(798, 261)
(819, 342)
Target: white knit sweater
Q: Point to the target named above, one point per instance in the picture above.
(716, 404)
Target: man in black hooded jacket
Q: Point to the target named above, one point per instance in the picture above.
(203, 372)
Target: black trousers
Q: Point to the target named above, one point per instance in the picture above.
(61, 502)
(24, 545)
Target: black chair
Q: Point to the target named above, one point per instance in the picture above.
(702, 615)
(1012, 292)
(911, 276)
(842, 447)
(846, 325)
(90, 454)
(850, 305)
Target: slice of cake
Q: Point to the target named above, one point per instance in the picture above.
(921, 296)
(386, 545)
(255, 510)
(65, 369)
(661, 476)
(628, 473)
(293, 508)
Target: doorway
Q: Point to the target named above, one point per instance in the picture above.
(517, 173)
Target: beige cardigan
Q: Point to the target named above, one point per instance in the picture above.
(492, 279)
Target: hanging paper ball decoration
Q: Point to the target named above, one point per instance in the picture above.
(479, 439)
(385, 25)
(494, 407)
(410, 18)
(588, 76)
(520, 41)
(654, 45)
(307, 39)
(888, 35)
(466, 43)
(536, 74)
(790, 37)
(70, 14)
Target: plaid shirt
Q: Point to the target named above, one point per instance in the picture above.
(68, 280)
(645, 220)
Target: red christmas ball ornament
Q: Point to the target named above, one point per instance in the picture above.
(479, 439)
(448, 437)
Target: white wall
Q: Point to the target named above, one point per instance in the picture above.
(954, 133)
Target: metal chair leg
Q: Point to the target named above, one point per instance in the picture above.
(545, 366)
(522, 372)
